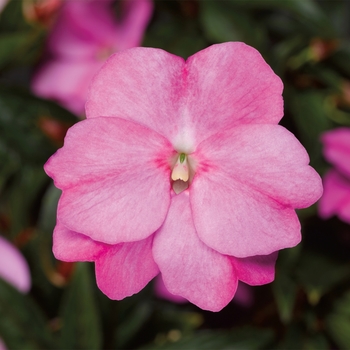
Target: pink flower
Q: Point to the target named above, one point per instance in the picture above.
(14, 270)
(84, 35)
(336, 196)
(13, 267)
(181, 168)
(243, 296)
(3, 4)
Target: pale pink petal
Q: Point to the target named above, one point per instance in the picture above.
(337, 148)
(73, 246)
(218, 87)
(230, 84)
(162, 292)
(126, 268)
(256, 270)
(189, 268)
(13, 267)
(336, 196)
(114, 172)
(237, 220)
(66, 82)
(267, 158)
(143, 85)
(136, 14)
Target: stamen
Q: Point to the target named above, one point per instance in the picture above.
(180, 170)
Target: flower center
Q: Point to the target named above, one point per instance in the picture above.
(180, 174)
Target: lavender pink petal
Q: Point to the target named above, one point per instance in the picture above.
(156, 75)
(190, 268)
(114, 172)
(126, 268)
(72, 246)
(219, 87)
(256, 270)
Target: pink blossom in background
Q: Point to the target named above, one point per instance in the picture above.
(85, 33)
(13, 267)
(14, 270)
(181, 169)
(3, 3)
(336, 196)
(2, 345)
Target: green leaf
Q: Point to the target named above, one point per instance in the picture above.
(180, 36)
(80, 316)
(285, 290)
(243, 338)
(298, 337)
(47, 216)
(318, 275)
(317, 342)
(308, 14)
(221, 21)
(338, 322)
(20, 115)
(310, 114)
(17, 47)
(22, 325)
(132, 323)
(341, 58)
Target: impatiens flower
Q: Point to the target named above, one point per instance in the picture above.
(86, 32)
(243, 296)
(13, 267)
(336, 196)
(181, 169)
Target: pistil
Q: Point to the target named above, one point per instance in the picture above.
(180, 174)
(180, 170)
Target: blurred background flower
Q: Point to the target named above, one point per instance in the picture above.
(14, 270)
(336, 196)
(13, 267)
(307, 43)
(85, 33)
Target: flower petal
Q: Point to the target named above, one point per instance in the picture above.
(105, 168)
(228, 84)
(141, 84)
(82, 27)
(336, 196)
(13, 267)
(337, 148)
(162, 292)
(135, 17)
(126, 268)
(189, 268)
(73, 246)
(256, 270)
(230, 81)
(236, 220)
(66, 82)
(267, 158)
